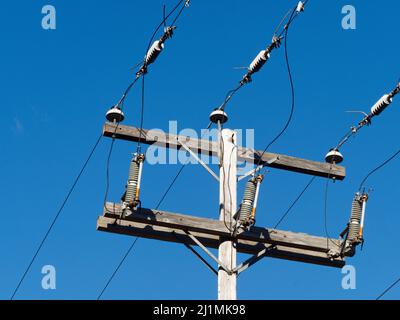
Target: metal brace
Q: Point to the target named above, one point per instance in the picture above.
(194, 155)
(251, 172)
(252, 260)
(209, 253)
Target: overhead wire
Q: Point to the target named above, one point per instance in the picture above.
(144, 67)
(394, 284)
(163, 22)
(391, 158)
(228, 97)
(140, 74)
(60, 210)
(293, 102)
(286, 213)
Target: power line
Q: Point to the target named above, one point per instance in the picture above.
(292, 93)
(326, 194)
(118, 267)
(134, 242)
(57, 216)
(378, 168)
(294, 202)
(388, 289)
(229, 96)
(142, 74)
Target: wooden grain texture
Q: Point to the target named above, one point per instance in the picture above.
(170, 234)
(210, 148)
(218, 228)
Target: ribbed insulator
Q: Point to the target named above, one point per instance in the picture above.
(355, 220)
(381, 105)
(154, 52)
(248, 201)
(258, 62)
(133, 181)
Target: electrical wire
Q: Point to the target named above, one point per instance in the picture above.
(388, 289)
(229, 96)
(293, 103)
(294, 202)
(326, 194)
(141, 128)
(136, 239)
(127, 91)
(117, 269)
(378, 168)
(108, 174)
(57, 216)
(141, 115)
(294, 14)
(163, 23)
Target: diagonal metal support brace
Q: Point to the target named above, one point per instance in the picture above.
(258, 168)
(253, 260)
(209, 253)
(209, 266)
(198, 159)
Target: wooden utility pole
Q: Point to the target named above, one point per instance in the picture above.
(227, 196)
(205, 233)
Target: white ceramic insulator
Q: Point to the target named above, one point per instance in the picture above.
(259, 61)
(154, 51)
(381, 105)
(300, 6)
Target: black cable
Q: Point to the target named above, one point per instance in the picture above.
(57, 215)
(141, 114)
(117, 269)
(170, 186)
(134, 242)
(180, 12)
(141, 127)
(294, 202)
(293, 97)
(144, 62)
(229, 96)
(128, 89)
(388, 289)
(161, 24)
(108, 174)
(378, 168)
(326, 193)
(227, 99)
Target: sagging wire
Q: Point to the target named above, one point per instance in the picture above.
(60, 210)
(353, 234)
(391, 158)
(328, 238)
(247, 211)
(294, 202)
(394, 284)
(115, 114)
(294, 13)
(152, 52)
(376, 110)
(264, 55)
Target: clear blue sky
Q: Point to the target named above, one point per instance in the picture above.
(57, 86)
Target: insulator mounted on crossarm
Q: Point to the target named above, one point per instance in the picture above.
(355, 228)
(115, 114)
(376, 110)
(131, 199)
(246, 215)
